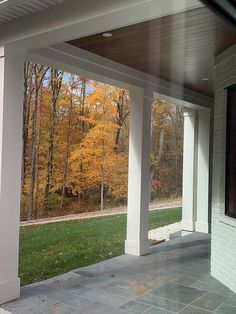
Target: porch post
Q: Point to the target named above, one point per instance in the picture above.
(139, 169)
(203, 216)
(189, 171)
(11, 104)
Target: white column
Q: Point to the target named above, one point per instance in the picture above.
(203, 215)
(11, 103)
(139, 169)
(189, 171)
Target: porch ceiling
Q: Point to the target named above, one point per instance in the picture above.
(179, 48)
(11, 10)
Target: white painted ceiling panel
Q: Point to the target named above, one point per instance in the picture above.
(13, 9)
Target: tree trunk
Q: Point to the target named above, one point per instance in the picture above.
(117, 139)
(33, 147)
(82, 130)
(176, 153)
(102, 176)
(102, 195)
(39, 74)
(178, 125)
(161, 145)
(56, 81)
(158, 158)
(152, 172)
(38, 154)
(121, 115)
(28, 72)
(67, 153)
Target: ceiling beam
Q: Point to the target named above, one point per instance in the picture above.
(81, 62)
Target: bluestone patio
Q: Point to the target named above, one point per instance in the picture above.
(173, 278)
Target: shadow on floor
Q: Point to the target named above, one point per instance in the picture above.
(173, 278)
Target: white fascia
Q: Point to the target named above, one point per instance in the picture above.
(75, 19)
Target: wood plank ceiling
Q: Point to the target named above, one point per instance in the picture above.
(178, 48)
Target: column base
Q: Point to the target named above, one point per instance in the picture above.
(137, 248)
(203, 227)
(187, 225)
(9, 290)
(185, 232)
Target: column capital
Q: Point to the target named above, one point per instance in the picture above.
(147, 95)
(13, 51)
(189, 113)
(148, 99)
(204, 112)
(2, 51)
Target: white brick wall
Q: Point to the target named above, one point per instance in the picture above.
(223, 256)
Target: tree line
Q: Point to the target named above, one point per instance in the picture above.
(75, 144)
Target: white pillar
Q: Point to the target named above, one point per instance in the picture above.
(11, 104)
(139, 169)
(189, 171)
(202, 222)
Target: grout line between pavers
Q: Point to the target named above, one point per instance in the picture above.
(223, 304)
(143, 302)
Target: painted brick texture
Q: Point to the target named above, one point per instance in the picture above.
(223, 255)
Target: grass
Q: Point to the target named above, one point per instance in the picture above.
(53, 249)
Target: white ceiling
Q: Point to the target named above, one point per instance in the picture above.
(14, 9)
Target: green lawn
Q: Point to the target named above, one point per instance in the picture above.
(53, 249)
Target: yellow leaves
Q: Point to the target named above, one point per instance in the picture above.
(101, 103)
(92, 157)
(160, 117)
(98, 141)
(95, 112)
(100, 162)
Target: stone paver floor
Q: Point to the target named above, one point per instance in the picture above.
(174, 278)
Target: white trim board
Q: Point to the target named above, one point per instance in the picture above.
(75, 19)
(78, 61)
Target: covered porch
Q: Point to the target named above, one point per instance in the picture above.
(184, 260)
(173, 278)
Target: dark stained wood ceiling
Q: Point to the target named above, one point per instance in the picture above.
(178, 48)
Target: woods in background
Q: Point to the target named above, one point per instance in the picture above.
(75, 145)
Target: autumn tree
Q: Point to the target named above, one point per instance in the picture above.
(39, 73)
(166, 150)
(28, 92)
(56, 82)
(122, 112)
(71, 87)
(97, 148)
(75, 136)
